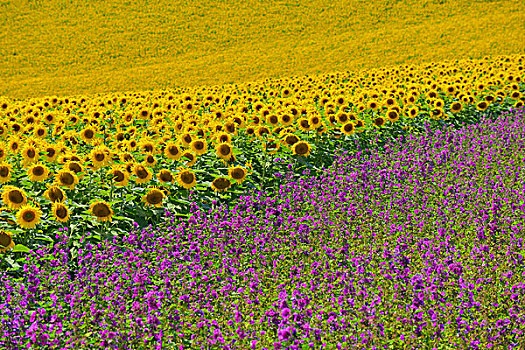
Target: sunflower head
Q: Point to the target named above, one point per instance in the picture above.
(142, 173)
(101, 210)
(224, 151)
(55, 194)
(165, 176)
(154, 197)
(6, 241)
(302, 148)
(5, 172)
(186, 178)
(238, 174)
(221, 184)
(28, 216)
(60, 212)
(14, 197)
(66, 178)
(38, 172)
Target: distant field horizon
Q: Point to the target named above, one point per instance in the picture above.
(70, 48)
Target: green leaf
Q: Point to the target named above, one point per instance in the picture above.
(20, 248)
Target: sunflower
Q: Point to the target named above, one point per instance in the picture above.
(224, 151)
(392, 115)
(172, 151)
(379, 121)
(348, 128)
(88, 134)
(40, 132)
(199, 146)
(373, 105)
(29, 155)
(142, 173)
(290, 140)
(191, 159)
(3, 153)
(66, 178)
(76, 167)
(165, 176)
(482, 106)
(28, 216)
(456, 107)
(5, 172)
(186, 139)
(51, 153)
(38, 172)
(154, 197)
(100, 156)
(223, 137)
(261, 132)
(286, 119)
(238, 174)
(341, 117)
(118, 176)
(272, 119)
(221, 184)
(149, 160)
(14, 197)
(314, 121)
(272, 146)
(55, 194)
(186, 178)
(14, 145)
(304, 124)
(60, 211)
(6, 241)
(301, 148)
(101, 210)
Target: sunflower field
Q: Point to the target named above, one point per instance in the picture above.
(363, 190)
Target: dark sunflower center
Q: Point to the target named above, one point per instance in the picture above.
(56, 195)
(221, 183)
(301, 149)
(150, 159)
(89, 134)
(100, 157)
(148, 148)
(61, 212)
(348, 128)
(101, 210)
(291, 139)
(5, 239)
(31, 153)
(225, 150)
(187, 177)
(67, 179)
(41, 132)
(74, 167)
(237, 173)
(154, 197)
(118, 176)
(4, 171)
(50, 152)
(15, 196)
(29, 216)
(166, 177)
(187, 138)
(199, 145)
(38, 171)
(142, 173)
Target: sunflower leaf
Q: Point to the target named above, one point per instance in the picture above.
(20, 248)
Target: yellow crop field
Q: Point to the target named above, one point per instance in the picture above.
(63, 47)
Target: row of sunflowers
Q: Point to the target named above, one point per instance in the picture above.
(114, 159)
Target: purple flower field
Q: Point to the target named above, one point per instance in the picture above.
(419, 246)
